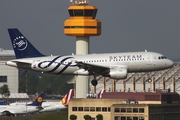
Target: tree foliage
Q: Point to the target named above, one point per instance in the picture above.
(4, 90)
(87, 117)
(49, 83)
(99, 117)
(73, 117)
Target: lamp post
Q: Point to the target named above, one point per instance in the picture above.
(26, 89)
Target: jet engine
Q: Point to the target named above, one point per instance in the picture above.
(118, 73)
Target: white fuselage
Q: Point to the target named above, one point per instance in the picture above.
(131, 61)
(19, 109)
(52, 106)
(47, 106)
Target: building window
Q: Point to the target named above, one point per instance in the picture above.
(74, 108)
(135, 110)
(86, 108)
(129, 110)
(116, 110)
(109, 109)
(71, 13)
(135, 118)
(141, 118)
(123, 118)
(98, 108)
(88, 13)
(104, 108)
(141, 110)
(116, 118)
(78, 12)
(92, 108)
(123, 109)
(93, 118)
(80, 108)
(129, 118)
(3, 78)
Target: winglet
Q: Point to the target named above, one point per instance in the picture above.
(38, 101)
(67, 97)
(22, 47)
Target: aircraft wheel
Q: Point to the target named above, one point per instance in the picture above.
(94, 82)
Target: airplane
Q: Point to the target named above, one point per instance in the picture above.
(101, 92)
(8, 110)
(63, 104)
(113, 65)
(56, 106)
(52, 106)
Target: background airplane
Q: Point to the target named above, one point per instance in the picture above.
(113, 65)
(56, 106)
(51, 106)
(101, 92)
(23, 109)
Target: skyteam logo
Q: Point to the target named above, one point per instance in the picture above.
(20, 43)
(55, 64)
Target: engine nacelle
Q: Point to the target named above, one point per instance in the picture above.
(118, 73)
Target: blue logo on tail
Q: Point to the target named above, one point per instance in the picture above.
(22, 47)
(20, 43)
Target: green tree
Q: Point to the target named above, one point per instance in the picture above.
(87, 117)
(4, 90)
(49, 83)
(73, 117)
(99, 117)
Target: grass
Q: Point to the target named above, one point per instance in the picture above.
(42, 116)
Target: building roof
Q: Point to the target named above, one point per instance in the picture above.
(158, 95)
(6, 52)
(17, 95)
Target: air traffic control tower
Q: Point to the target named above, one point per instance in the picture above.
(82, 24)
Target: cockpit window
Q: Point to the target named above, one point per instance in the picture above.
(162, 57)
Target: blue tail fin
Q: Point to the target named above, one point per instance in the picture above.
(22, 47)
(38, 101)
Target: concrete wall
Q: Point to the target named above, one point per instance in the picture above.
(12, 77)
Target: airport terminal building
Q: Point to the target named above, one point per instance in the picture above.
(158, 105)
(8, 75)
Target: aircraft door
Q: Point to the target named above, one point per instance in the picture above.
(148, 59)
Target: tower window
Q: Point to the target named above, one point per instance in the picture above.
(88, 13)
(71, 13)
(78, 12)
(94, 13)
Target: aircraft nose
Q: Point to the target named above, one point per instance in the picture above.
(170, 63)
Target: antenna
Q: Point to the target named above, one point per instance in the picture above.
(79, 2)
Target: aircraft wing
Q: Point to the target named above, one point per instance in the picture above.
(92, 68)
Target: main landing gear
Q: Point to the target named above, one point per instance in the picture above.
(94, 81)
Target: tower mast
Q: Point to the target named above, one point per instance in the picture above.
(82, 24)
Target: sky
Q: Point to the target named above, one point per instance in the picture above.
(127, 25)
